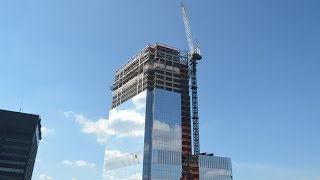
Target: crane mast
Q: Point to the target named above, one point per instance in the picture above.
(194, 56)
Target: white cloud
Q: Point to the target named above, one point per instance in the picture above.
(45, 177)
(78, 163)
(73, 178)
(46, 131)
(132, 177)
(108, 177)
(113, 154)
(121, 123)
(81, 163)
(135, 177)
(140, 100)
(162, 130)
(114, 126)
(161, 126)
(67, 163)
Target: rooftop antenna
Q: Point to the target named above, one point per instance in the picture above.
(21, 107)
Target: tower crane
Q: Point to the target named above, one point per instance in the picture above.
(194, 56)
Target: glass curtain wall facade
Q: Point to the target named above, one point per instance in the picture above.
(166, 136)
(214, 167)
(145, 139)
(125, 147)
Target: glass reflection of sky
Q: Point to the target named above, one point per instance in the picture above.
(124, 149)
(215, 168)
(166, 136)
(157, 154)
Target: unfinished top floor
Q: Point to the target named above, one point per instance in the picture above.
(157, 65)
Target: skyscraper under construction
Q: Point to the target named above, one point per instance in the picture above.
(150, 125)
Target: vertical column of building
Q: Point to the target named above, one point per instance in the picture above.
(185, 121)
(166, 135)
(190, 167)
(148, 80)
(148, 83)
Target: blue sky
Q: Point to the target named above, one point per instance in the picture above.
(258, 83)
